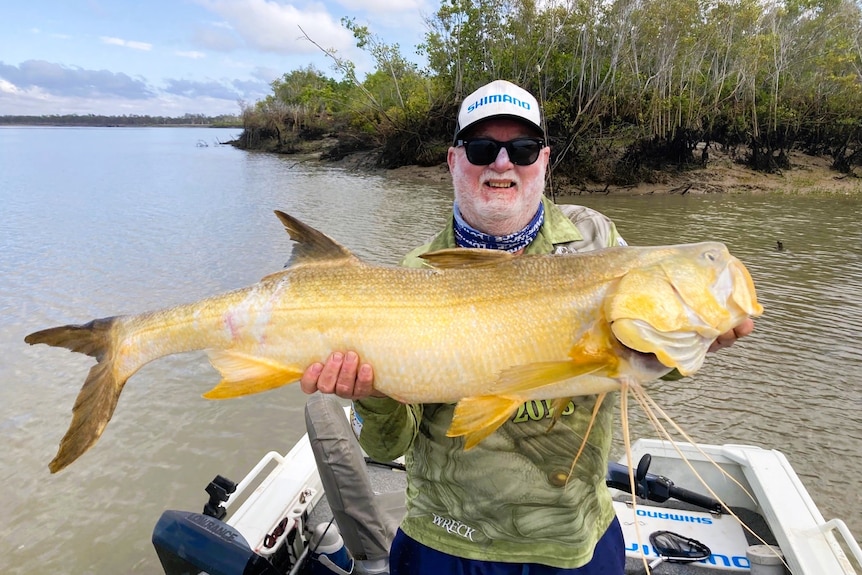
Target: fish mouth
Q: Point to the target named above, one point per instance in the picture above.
(645, 361)
(683, 350)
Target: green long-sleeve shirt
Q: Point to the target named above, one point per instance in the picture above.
(507, 499)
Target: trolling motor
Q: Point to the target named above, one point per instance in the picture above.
(656, 487)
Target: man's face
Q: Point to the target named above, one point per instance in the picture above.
(499, 198)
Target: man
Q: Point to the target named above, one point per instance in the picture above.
(509, 504)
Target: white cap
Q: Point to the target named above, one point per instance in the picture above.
(499, 99)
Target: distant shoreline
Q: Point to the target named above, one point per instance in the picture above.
(46, 125)
(112, 121)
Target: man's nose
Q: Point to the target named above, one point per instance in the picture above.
(502, 162)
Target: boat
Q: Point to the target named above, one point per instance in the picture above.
(324, 507)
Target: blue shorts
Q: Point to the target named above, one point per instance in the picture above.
(409, 557)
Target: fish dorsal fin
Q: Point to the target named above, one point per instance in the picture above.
(460, 258)
(312, 246)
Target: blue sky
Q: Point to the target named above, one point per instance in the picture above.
(172, 57)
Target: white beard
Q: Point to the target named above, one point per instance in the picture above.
(503, 213)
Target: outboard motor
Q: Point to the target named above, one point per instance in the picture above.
(188, 543)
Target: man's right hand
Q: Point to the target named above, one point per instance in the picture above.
(341, 374)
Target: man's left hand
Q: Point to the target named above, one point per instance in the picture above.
(728, 338)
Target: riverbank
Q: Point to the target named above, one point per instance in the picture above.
(807, 175)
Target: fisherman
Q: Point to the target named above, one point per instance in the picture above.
(509, 505)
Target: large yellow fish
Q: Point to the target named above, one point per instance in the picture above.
(484, 325)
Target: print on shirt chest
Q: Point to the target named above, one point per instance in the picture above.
(539, 409)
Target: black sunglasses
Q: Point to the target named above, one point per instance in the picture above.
(483, 151)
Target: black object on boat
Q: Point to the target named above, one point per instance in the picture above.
(675, 548)
(219, 490)
(656, 487)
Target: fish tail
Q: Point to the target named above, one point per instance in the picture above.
(478, 417)
(92, 338)
(101, 390)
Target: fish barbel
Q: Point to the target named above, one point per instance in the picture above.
(482, 326)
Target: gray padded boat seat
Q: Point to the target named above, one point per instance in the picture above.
(367, 520)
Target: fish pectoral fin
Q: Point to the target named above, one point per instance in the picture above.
(476, 418)
(460, 258)
(522, 379)
(244, 374)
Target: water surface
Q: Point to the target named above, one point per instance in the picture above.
(119, 220)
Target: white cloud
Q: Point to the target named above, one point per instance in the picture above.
(221, 24)
(193, 54)
(59, 80)
(127, 43)
(219, 38)
(8, 87)
(272, 27)
(384, 6)
(35, 102)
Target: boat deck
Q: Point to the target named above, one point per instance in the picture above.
(281, 501)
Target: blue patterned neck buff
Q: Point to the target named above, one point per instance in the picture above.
(468, 237)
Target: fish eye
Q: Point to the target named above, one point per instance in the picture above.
(710, 255)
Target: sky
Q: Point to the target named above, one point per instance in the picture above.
(176, 57)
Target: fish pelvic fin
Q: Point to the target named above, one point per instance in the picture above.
(522, 379)
(478, 417)
(98, 397)
(312, 246)
(245, 374)
(591, 353)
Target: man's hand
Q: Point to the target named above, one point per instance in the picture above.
(343, 375)
(729, 338)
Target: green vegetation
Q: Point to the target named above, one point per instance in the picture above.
(223, 121)
(629, 86)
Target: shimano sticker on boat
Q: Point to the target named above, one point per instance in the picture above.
(721, 533)
(673, 515)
